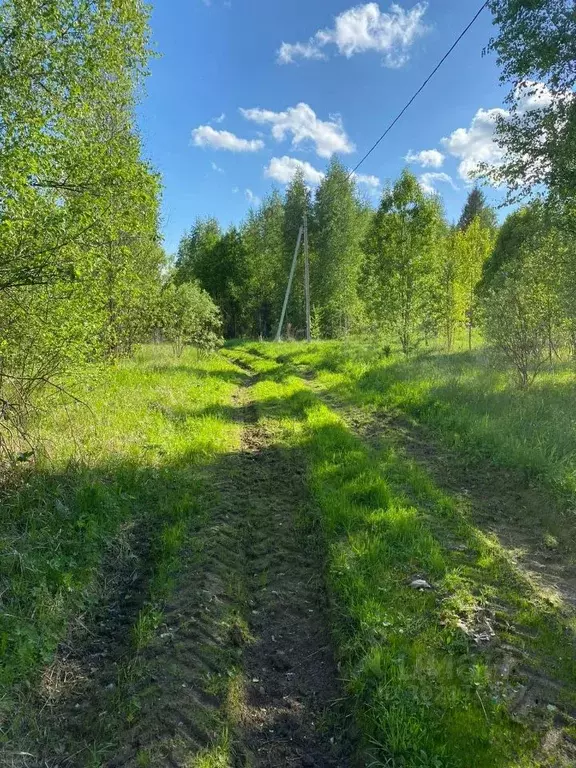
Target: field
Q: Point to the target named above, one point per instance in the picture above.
(294, 555)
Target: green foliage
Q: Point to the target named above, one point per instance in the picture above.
(521, 338)
(218, 263)
(535, 47)
(402, 261)
(515, 237)
(473, 247)
(195, 252)
(533, 259)
(189, 317)
(263, 237)
(79, 221)
(337, 233)
(297, 202)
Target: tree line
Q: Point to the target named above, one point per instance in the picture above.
(82, 270)
(401, 270)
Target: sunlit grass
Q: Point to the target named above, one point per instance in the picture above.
(133, 457)
(422, 691)
(471, 404)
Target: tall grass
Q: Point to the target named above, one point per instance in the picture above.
(116, 481)
(472, 404)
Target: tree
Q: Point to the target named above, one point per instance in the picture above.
(536, 48)
(534, 253)
(514, 324)
(475, 206)
(473, 247)
(226, 281)
(78, 206)
(296, 203)
(450, 303)
(263, 237)
(401, 271)
(195, 252)
(337, 233)
(517, 235)
(189, 316)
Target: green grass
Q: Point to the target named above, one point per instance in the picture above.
(118, 488)
(423, 694)
(472, 405)
(128, 488)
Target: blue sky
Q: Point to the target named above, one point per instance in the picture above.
(225, 121)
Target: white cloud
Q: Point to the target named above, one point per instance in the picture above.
(301, 123)
(428, 180)
(217, 168)
(290, 52)
(532, 95)
(427, 158)
(206, 136)
(219, 119)
(367, 179)
(252, 198)
(475, 145)
(364, 28)
(282, 169)
(235, 190)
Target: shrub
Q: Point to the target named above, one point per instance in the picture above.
(189, 316)
(515, 324)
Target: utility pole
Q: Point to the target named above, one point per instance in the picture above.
(307, 280)
(289, 286)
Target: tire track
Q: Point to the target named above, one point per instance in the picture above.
(491, 499)
(240, 671)
(291, 676)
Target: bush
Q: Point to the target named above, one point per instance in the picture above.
(515, 324)
(189, 316)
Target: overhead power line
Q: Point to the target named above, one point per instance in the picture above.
(417, 93)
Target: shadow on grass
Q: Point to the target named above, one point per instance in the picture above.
(124, 586)
(169, 370)
(146, 673)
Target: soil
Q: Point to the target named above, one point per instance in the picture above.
(243, 647)
(293, 680)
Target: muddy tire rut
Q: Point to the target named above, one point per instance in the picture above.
(291, 678)
(240, 671)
